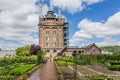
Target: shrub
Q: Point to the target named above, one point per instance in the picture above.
(20, 70)
(60, 75)
(23, 51)
(114, 62)
(39, 57)
(62, 63)
(98, 77)
(6, 77)
(114, 67)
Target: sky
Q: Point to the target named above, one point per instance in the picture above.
(90, 21)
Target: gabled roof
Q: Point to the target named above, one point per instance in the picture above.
(91, 45)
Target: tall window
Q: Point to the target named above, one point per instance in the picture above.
(54, 44)
(54, 32)
(47, 32)
(47, 44)
(54, 38)
(47, 38)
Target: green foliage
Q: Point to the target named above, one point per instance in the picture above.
(114, 49)
(91, 59)
(98, 77)
(10, 71)
(60, 75)
(18, 59)
(115, 56)
(34, 49)
(12, 66)
(40, 57)
(85, 59)
(23, 51)
(0, 49)
(28, 73)
(114, 62)
(21, 69)
(114, 67)
(8, 77)
(64, 61)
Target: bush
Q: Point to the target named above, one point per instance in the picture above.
(98, 77)
(18, 59)
(114, 62)
(39, 57)
(23, 51)
(24, 76)
(6, 77)
(20, 70)
(114, 67)
(60, 75)
(62, 63)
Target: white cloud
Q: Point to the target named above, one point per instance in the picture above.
(73, 6)
(109, 42)
(18, 19)
(98, 29)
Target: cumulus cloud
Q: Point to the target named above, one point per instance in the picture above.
(108, 42)
(98, 29)
(73, 6)
(18, 19)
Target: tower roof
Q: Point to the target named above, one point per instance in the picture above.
(50, 14)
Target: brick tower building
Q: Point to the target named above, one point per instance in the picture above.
(53, 33)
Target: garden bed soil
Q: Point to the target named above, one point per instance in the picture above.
(101, 69)
(85, 71)
(67, 73)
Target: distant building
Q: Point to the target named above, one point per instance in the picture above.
(90, 49)
(54, 37)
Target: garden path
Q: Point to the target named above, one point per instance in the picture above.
(45, 72)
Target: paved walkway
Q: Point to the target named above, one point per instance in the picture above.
(46, 72)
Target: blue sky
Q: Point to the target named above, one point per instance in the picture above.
(90, 21)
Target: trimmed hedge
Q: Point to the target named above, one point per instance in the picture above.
(98, 77)
(114, 62)
(114, 67)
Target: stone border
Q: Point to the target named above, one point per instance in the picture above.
(60, 74)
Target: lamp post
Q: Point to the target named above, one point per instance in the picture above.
(74, 65)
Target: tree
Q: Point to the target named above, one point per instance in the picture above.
(0, 49)
(34, 49)
(23, 51)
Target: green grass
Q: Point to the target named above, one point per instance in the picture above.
(21, 69)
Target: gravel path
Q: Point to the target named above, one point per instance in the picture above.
(45, 72)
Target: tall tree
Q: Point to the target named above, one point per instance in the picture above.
(23, 51)
(34, 49)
